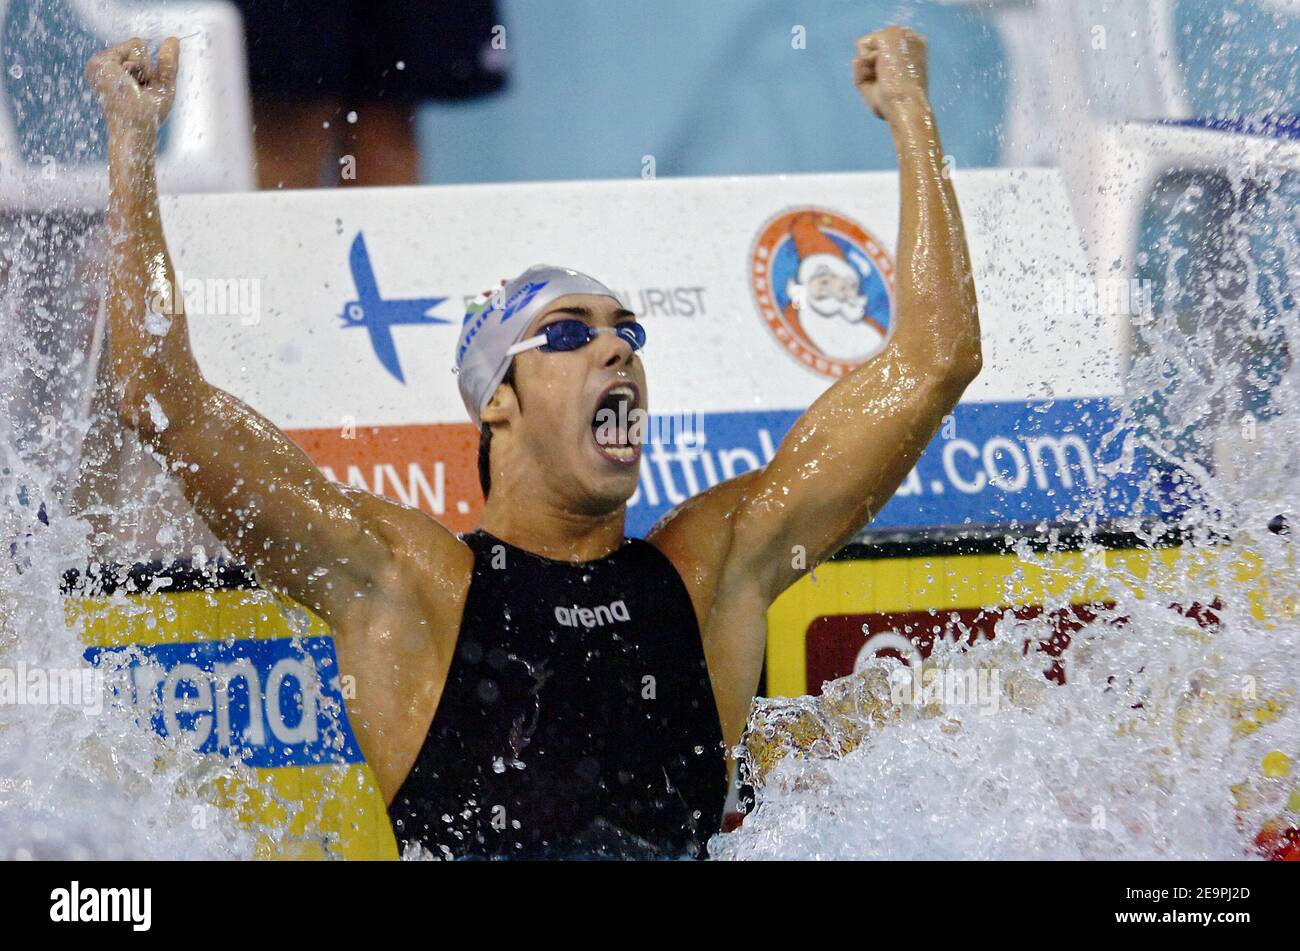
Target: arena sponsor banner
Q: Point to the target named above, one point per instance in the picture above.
(231, 672)
(266, 703)
(822, 627)
(837, 645)
(337, 317)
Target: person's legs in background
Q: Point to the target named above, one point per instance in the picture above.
(336, 83)
(406, 52)
(294, 140)
(299, 67)
(381, 144)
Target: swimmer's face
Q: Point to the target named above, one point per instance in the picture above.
(578, 416)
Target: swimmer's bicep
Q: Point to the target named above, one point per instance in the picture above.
(269, 503)
(836, 469)
(730, 535)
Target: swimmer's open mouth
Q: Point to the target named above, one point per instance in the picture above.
(618, 423)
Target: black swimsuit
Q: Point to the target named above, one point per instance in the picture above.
(577, 720)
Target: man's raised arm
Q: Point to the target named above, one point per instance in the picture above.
(258, 492)
(848, 453)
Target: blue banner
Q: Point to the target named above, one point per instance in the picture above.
(266, 702)
(991, 464)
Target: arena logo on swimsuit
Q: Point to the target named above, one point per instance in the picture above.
(598, 616)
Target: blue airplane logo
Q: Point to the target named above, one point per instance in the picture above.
(379, 316)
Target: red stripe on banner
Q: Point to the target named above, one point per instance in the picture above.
(433, 467)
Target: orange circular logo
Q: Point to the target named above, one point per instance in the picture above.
(825, 288)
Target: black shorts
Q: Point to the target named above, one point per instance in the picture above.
(366, 50)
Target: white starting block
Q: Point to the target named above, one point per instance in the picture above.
(207, 142)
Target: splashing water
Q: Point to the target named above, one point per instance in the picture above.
(81, 777)
(1170, 738)
(1175, 733)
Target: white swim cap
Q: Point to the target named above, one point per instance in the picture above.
(497, 320)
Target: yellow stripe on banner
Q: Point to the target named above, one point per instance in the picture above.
(338, 812)
(332, 810)
(886, 585)
(187, 616)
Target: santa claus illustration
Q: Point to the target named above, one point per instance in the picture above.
(826, 302)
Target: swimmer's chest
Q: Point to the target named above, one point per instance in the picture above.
(551, 654)
(577, 704)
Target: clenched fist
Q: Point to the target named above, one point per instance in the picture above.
(135, 92)
(890, 68)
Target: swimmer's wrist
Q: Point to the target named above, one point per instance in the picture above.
(908, 105)
(131, 158)
(914, 128)
(131, 135)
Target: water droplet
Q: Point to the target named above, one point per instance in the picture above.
(157, 324)
(1046, 398)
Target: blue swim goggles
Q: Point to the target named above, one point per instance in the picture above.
(564, 335)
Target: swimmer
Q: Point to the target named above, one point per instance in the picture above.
(544, 685)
